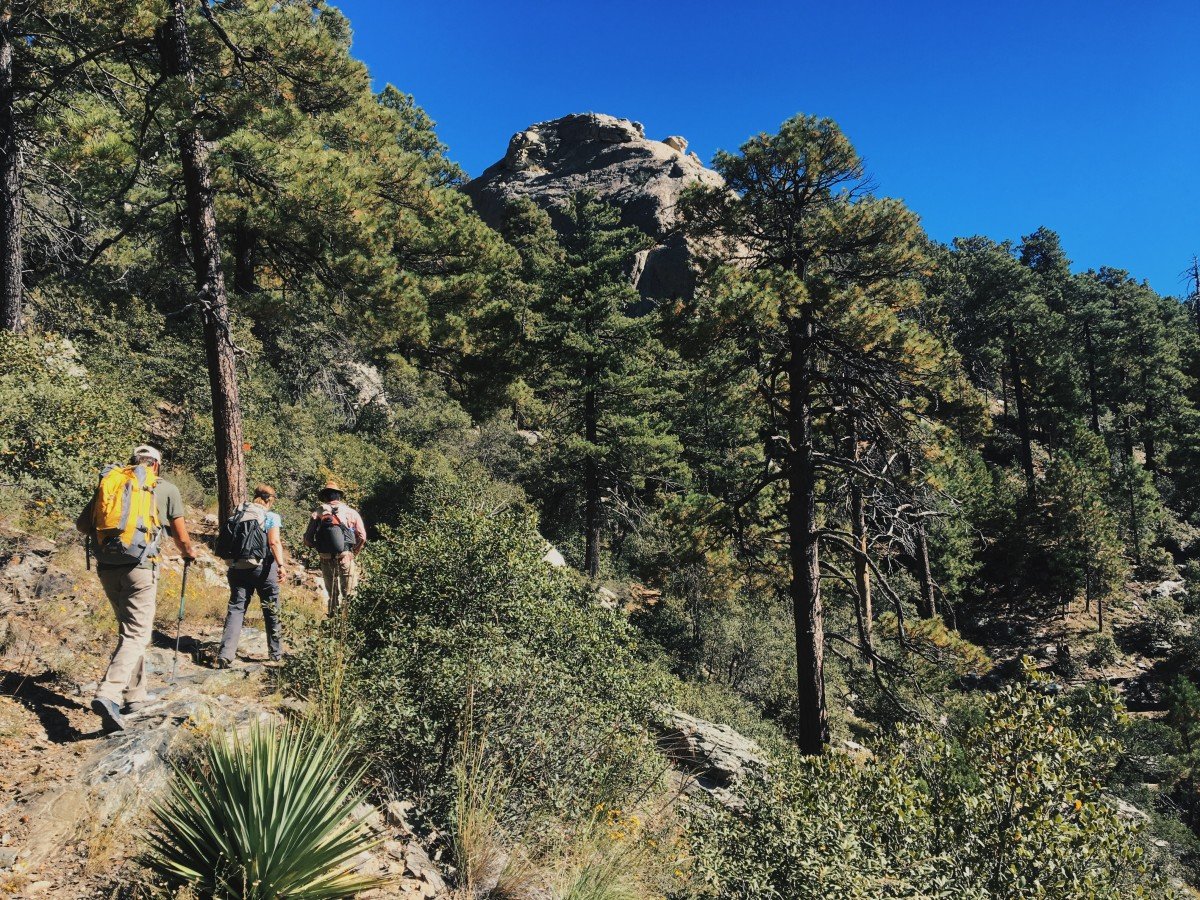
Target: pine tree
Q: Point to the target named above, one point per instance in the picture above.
(818, 294)
(597, 373)
(206, 260)
(49, 49)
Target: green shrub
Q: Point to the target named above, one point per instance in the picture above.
(1183, 710)
(1163, 616)
(268, 816)
(1006, 802)
(458, 602)
(60, 425)
(1103, 652)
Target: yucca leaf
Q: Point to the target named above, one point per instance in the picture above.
(267, 816)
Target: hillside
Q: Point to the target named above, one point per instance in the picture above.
(723, 535)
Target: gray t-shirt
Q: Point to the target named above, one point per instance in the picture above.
(170, 503)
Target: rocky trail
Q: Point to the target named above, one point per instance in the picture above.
(74, 800)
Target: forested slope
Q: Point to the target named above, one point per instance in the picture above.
(918, 518)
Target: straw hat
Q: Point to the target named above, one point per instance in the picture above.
(331, 486)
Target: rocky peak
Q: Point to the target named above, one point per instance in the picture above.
(613, 158)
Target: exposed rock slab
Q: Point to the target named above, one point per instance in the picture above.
(613, 158)
(715, 757)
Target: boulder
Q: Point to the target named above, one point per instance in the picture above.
(24, 567)
(1168, 588)
(676, 142)
(715, 756)
(613, 158)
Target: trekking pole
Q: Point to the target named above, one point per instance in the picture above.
(179, 621)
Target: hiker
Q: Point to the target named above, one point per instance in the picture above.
(251, 542)
(124, 521)
(338, 534)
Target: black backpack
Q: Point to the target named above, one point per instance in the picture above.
(333, 535)
(243, 536)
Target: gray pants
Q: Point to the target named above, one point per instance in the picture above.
(243, 583)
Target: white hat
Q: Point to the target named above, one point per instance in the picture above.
(147, 450)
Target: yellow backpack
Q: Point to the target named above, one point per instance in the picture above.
(125, 523)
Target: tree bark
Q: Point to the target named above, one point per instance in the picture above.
(1135, 527)
(862, 574)
(12, 259)
(927, 605)
(244, 260)
(812, 718)
(210, 280)
(1093, 398)
(591, 487)
(1014, 363)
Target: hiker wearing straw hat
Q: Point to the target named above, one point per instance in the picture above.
(338, 534)
(124, 521)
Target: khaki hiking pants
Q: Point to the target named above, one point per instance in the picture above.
(132, 593)
(341, 578)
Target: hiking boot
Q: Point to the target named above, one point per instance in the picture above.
(274, 661)
(222, 663)
(110, 715)
(133, 707)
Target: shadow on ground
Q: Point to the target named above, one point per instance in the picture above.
(35, 693)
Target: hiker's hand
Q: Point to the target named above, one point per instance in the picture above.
(189, 553)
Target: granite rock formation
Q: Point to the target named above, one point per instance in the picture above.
(614, 159)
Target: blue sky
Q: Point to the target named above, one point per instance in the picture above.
(986, 118)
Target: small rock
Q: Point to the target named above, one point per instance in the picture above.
(370, 816)
(676, 142)
(1127, 810)
(53, 583)
(8, 857)
(553, 557)
(606, 599)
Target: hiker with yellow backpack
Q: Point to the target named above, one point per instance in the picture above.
(124, 523)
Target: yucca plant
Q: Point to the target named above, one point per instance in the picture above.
(269, 815)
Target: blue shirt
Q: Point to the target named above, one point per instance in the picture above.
(272, 520)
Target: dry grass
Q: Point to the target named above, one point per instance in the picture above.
(13, 717)
(111, 843)
(479, 843)
(206, 603)
(329, 706)
(234, 684)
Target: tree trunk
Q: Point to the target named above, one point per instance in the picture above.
(12, 260)
(1135, 526)
(591, 487)
(1093, 399)
(862, 574)
(927, 604)
(1149, 443)
(244, 259)
(1014, 363)
(210, 280)
(812, 718)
